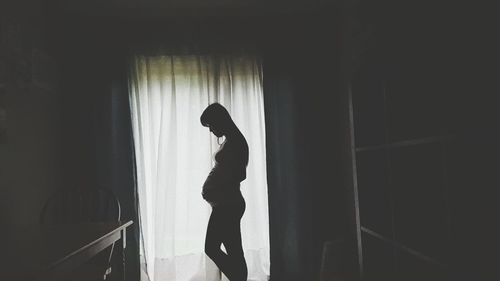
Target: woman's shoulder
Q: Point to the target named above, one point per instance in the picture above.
(239, 144)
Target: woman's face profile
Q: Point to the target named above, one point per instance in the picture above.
(215, 130)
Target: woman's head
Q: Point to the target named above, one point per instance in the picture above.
(217, 118)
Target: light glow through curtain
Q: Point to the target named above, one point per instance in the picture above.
(174, 155)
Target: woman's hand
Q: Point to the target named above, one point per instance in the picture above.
(204, 194)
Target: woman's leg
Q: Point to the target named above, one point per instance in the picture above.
(232, 243)
(213, 241)
(224, 227)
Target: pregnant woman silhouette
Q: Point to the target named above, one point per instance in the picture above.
(222, 190)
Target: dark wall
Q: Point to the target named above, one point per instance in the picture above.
(96, 139)
(30, 163)
(426, 146)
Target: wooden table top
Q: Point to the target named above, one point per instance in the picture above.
(29, 250)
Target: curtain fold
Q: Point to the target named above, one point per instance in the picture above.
(288, 258)
(113, 147)
(300, 177)
(174, 154)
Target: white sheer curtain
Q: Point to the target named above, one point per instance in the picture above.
(174, 154)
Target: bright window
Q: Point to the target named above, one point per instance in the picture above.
(174, 154)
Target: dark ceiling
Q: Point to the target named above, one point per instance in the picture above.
(187, 8)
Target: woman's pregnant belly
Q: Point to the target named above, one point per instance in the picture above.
(217, 189)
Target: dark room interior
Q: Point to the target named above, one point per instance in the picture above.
(382, 134)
